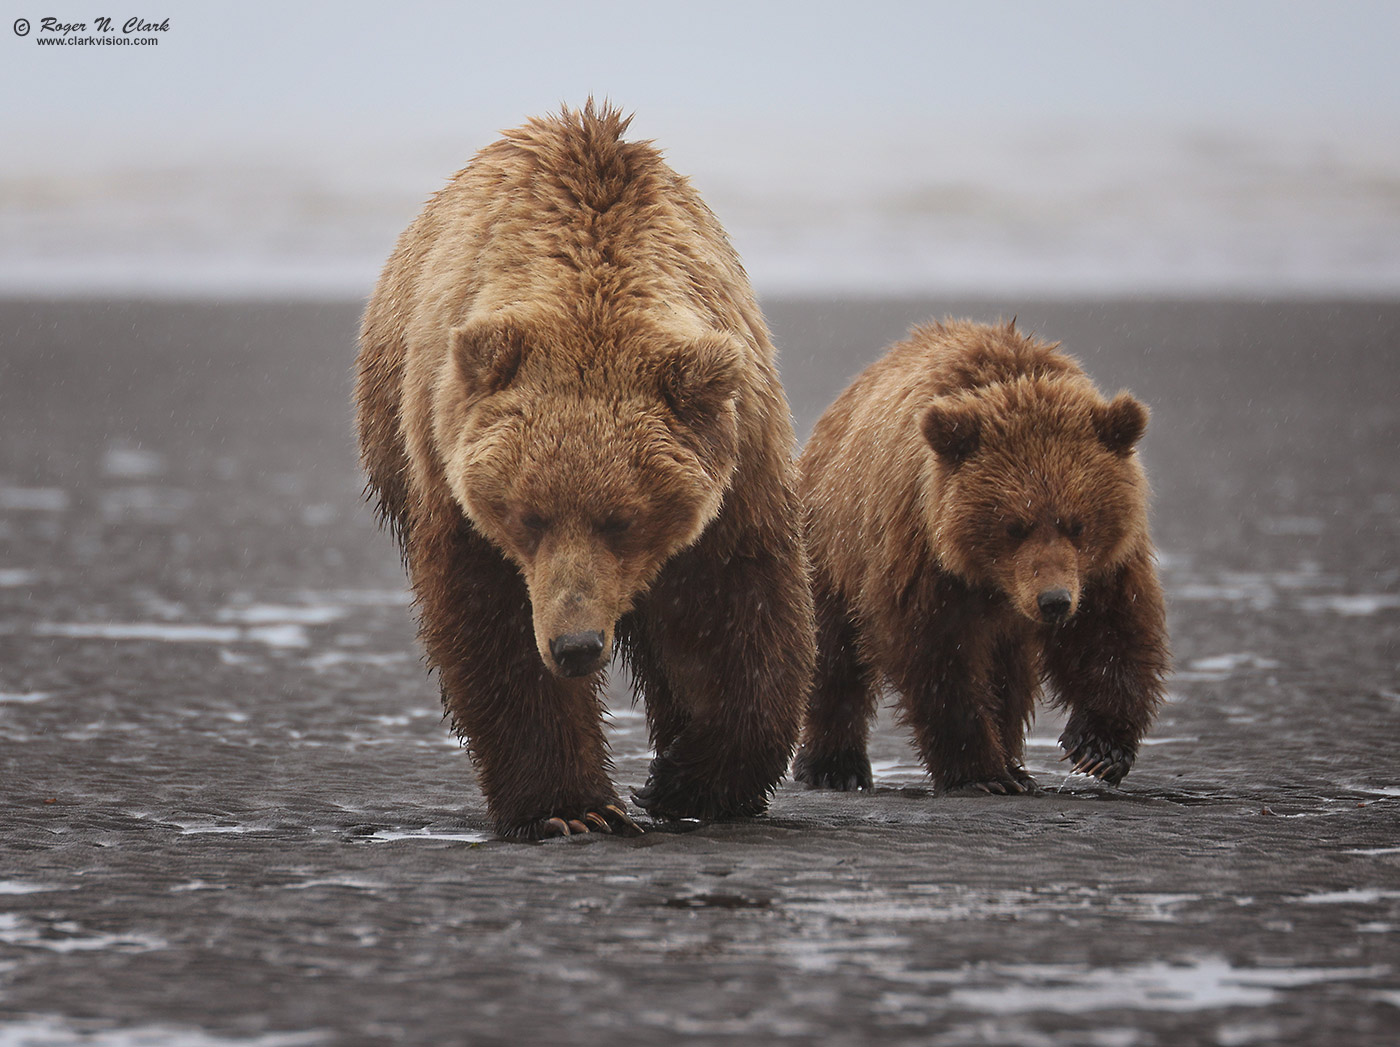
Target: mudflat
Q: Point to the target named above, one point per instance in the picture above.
(232, 813)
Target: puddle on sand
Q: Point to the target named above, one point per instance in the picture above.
(1373, 790)
(942, 903)
(22, 887)
(358, 597)
(33, 499)
(55, 1031)
(121, 462)
(286, 635)
(1223, 666)
(141, 502)
(270, 614)
(1353, 606)
(344, 882)
(1350, 896)
(335, 659)
(200, 885)
(160, 631)
(65, 936)
(271, 625)
(1054, 743)
(213, 829)
(1204, 983)
(1259, 589)
(459, 836)
(902, 767)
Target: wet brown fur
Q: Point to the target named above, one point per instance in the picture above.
(967, 473)
(570, 416)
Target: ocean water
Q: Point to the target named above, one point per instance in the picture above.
(1057, 211)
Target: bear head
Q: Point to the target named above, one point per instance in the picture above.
(589, 459)
(1039, 488)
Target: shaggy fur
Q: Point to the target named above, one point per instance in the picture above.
(571, 419)
(977, 522)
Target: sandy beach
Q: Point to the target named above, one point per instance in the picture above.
(232, 814)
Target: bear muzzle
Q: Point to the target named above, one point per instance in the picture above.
(578, 592)
(577, 654)
(1055, 605)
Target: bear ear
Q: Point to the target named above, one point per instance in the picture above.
(488, 353)
(700, 376)
(1120, 423)
(952, 430)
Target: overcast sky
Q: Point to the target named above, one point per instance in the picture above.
(232, 71)
(1081, 145)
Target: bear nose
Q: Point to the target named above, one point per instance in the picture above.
(577, 653)
(1054, 604)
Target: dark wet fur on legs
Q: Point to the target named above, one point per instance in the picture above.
(841, 702)
(717, 654)
(536, 738)
(1107, 665)
(846, 771)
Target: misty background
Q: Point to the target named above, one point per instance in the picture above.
(1061, 149)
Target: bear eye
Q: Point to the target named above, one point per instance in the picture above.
(1018, 530)
(534, 522)
(615, 525)
(1073, 529)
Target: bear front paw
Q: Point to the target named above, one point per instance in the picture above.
(606, 818)
(672, 793)
(844, 771)
(1097, 756)
(1014, 781)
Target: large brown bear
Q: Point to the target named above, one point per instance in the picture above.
(977, 522)
(570, 416)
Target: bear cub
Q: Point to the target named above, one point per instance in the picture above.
(977, 523)
(569, 411)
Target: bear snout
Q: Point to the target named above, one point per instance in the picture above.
(1055, 605)
(577, 654)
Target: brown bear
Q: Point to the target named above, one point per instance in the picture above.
(569, 412)
(977, 523)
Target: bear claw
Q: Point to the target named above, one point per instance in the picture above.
(554, 827)
(1015, 782)
(620, 822)
(1025, 780)
(609, 818)
(1095, 757)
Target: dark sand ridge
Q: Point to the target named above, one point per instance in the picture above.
(229, 803)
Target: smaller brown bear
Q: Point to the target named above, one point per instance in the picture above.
(977, 523)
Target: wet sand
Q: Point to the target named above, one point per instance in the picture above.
(231, 812)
